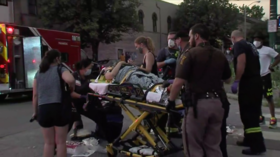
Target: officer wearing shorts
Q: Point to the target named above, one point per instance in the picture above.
(248, 84)
(202, 67)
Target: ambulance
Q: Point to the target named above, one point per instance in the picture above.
(21, 51)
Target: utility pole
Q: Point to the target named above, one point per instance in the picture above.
(273, 16)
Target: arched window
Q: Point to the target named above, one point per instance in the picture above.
(154, 17)
(141, 17)
(169, 23)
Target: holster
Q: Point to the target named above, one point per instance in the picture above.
(223, 98)
(189, 99)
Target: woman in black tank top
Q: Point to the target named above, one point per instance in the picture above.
(145, 45)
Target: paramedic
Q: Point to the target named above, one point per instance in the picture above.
(79, 95)
(267, 54)
(249, 85)
(53, 116)
(202, 67)
(145, 46)
(167, 56)
(81, 89)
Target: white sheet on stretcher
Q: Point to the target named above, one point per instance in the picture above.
(101, 88)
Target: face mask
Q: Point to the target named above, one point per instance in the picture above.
(171, 43)
(257, 43)
(232, 41)
(140, 50)
(88, 72)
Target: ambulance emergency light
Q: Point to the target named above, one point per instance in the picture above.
(10, 30)
(278, 23)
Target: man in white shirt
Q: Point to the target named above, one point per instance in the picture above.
(266, 55)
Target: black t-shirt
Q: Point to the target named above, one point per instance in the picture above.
(252, 67)
(167, 53)
(83, 89)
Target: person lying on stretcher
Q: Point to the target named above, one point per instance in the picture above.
(131, 74)
(119, 72)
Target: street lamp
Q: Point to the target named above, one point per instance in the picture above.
(245, 18)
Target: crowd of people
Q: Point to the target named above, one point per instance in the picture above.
(196, 70)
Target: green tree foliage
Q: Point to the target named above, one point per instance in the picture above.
(219, 15)
(255, 11)
(259, 28)
(96, 20)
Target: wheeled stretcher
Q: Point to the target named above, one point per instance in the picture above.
(151, 105)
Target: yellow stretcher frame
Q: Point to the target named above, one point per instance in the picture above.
(138, 127)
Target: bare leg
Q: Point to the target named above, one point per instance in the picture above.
(60, 138)
(49, 145)
(271, 107)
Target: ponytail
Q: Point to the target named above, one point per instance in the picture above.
(45, 65)
(147, 41)
(48, 59)
(150, 45)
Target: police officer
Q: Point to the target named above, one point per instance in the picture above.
(182, 41)
(202, 67)
(249, 82)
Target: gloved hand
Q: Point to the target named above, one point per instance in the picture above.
(165, 84)
(170, 105)
(170, 61)
(83, 97)
(234, 87)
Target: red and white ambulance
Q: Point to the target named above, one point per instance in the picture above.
(21, 50)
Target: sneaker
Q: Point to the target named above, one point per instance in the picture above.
(273, 123)
(262, 120)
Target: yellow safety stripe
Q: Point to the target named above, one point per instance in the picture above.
(4, 53)
(171, 130)
(269, 92)
(253, 130)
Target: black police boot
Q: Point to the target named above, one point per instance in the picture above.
(242, 144)
(251, 152)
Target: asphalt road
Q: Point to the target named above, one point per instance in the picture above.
(19, 138)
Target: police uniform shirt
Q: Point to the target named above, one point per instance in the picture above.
(252, 68)
(201, 77)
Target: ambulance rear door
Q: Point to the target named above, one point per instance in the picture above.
(32, 51)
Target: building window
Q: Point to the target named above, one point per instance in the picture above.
(154, 17)
(169, 23)
(64, 57)
(32, 7)
(4, 2)
(141, 17)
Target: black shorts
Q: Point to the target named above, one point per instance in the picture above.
(54, 114)
(267, 86)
